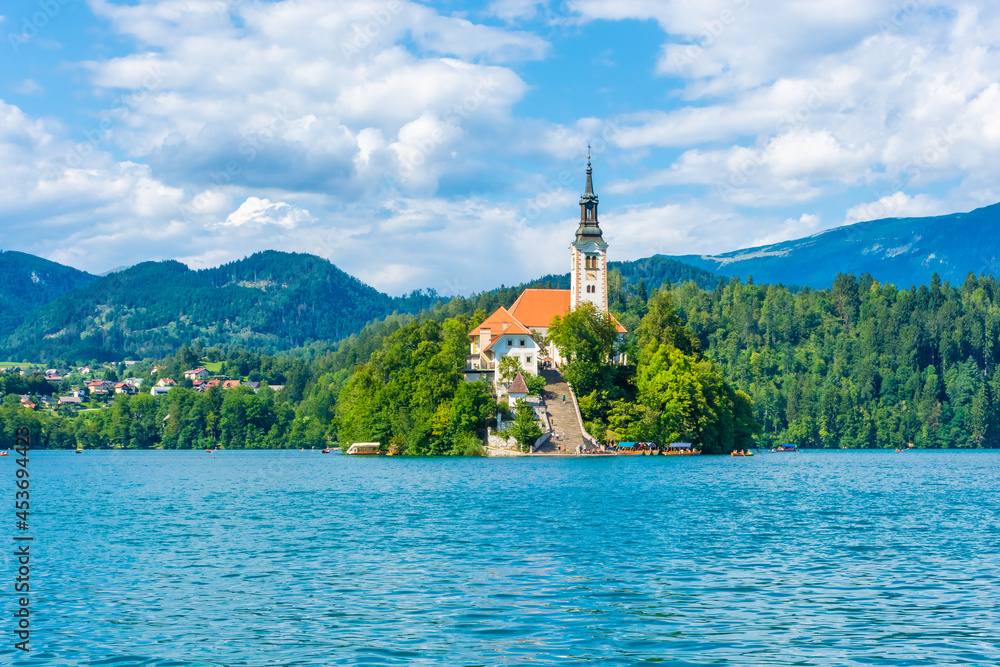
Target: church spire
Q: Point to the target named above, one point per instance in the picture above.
(589, 225)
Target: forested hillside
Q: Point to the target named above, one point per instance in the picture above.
(27, 282)
(269, 301)
(643, 274)
(859, 365)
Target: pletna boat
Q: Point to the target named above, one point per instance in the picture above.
(785, 448)
(365, 449)
(682, 449)
(741, 452)
(635, 449)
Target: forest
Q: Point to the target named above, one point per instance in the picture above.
(861, 364)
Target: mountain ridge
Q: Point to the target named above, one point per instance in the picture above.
(903, 251)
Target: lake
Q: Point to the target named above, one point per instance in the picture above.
(299, 558)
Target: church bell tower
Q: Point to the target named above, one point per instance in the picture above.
(589, 253)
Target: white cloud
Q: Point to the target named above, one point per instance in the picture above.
(256, 211)
(806, 225)
(897, 205)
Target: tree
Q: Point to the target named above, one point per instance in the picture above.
(524, 429)
(507, 369)
(588, 340)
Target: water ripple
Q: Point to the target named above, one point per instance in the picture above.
(290, 558)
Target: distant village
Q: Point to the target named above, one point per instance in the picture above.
(81, 388)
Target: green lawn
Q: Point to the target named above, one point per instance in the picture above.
(212, 366)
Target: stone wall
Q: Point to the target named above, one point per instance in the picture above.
(497, 446)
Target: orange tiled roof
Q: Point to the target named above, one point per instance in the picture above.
(500, 322)
(537, 307)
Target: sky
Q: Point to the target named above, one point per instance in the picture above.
(442, 144)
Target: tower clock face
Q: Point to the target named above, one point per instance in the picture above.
(592, 275)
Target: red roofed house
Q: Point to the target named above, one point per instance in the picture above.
(509, 331)
(230, 384)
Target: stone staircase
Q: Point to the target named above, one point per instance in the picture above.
(562, 415)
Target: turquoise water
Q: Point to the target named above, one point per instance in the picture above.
(291, 558)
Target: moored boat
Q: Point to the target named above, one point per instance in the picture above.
(635, 449)
(365, 449)
(682, 449)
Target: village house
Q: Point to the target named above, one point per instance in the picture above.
(99, 387)
(70, 400)
(125, 388)
(196, 374)
(159, 390)
(27, 402)
(165, 382)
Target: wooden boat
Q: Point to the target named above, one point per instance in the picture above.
(79, 451)
(635, 449)
(682, 449)
(325, 451)
(785, 448)
(741, 453)
(5, 453)
(365, 449)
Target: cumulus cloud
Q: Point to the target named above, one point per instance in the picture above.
(256, 211)
(896, 205)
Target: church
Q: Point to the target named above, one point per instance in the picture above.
(517, 331)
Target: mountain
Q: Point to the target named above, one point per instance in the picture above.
(902, 251)
(652, 271)
(28, 282)
(269, 301)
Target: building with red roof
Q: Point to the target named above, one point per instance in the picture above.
(518, 331)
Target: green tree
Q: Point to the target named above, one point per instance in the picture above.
(524, 429)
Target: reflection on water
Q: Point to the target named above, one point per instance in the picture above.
(292, 558)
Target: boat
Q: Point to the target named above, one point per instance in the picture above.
(325, 451)
(741, 452)
(5, 453)
(635, 449)
(681, 449)
(365, 449)
(785, 448)
(79, 451)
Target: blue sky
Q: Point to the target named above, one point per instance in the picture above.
(441, 144)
